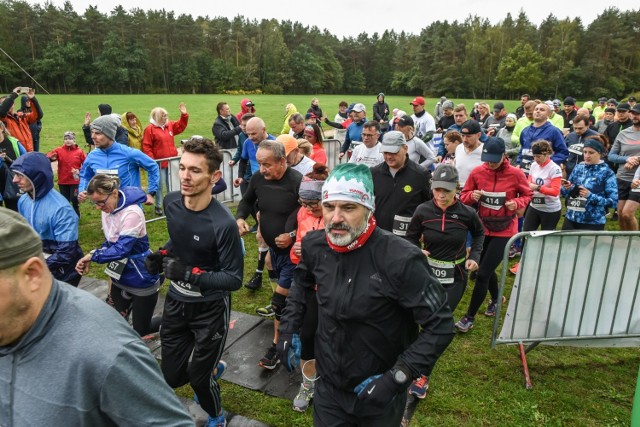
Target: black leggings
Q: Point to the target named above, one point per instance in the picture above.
(456, 289)
(70, 192)
(142, 307)
(486, 278)
(545, 220)
(309, 326)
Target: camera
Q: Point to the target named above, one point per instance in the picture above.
(24, 90)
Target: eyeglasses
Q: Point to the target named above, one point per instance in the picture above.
(101, 203)
(369, 135)
(310, 205)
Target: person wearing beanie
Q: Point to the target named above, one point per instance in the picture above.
(121, 137)
(590, 190)
(116, 159)
(275, 189)
(381, 112)
(446, 120)
(69, 340)
(399, 183)
(18, 125)
(70, 158)
(309, 219)
(380, 277)
(49, 214)
(568, 114)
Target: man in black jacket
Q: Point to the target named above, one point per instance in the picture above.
(374, 291)
(226, 127)
(399, 184)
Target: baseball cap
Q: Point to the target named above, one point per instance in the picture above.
(498, 106)
(612, 101)
(392, 142)
(445, 176)
(358, 108)
(549, 103)
(471, 126)
(623, 106)
(249, 104)
(350, 107)
(447, 105)
(418, 100)
(610, 110)
(602, 100)
(404, 121)
(569, 101)
(556, 102)
(636, 109)
(632, 98)
(493, 150)
(289, 142)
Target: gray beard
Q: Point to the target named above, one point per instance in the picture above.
(352, 233)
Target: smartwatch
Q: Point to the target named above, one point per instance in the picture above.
(399, 377)
(292, 234)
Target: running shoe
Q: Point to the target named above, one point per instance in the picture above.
(265, 311)
(219, 421)
(514, 251)
(465, 324)
(303, 398)
(419, 387)
(217, 373)
(255, 282)
(493, 307)
(515, 268)
(270, 360)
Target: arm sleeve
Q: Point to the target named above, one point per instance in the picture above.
(248, 200)
(230, 259)
(180, 125)
(346, 143)
(477, 238)
(420, 292)
(614, 156)
(560, 151)
(524, 191)
(151, 167)
(130, 378)
(36, 112)
(608, 198)
(7, 103)
(553, 189)
(466, 195)
(86, 173)
(219, 187)
(425, 151)
(414, 232)
(242, 167)
(65, 226)
(130, 228)
(147, 141)
(86, 131)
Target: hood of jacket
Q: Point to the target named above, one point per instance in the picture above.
(37, 168)
(290, 110)
(243, 105)
(125, 124)
(130, 196)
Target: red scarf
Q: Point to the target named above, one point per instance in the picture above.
(360, 240)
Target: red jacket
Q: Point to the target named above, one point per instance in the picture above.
(68, 158)
(507, 179)
(158, 142)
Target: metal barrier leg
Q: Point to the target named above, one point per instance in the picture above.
(525, 367)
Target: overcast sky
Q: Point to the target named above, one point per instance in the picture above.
(350, 18)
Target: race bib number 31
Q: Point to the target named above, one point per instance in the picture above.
(401, 225)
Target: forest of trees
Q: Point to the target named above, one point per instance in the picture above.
(155, 51)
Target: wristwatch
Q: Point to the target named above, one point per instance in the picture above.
(399, 377)
(292, 234)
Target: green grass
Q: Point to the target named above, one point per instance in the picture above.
(472, 385)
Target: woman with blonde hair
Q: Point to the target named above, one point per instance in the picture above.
(158, 143)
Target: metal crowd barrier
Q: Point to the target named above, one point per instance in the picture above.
(572, 289)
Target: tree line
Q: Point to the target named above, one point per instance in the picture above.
(155, 51)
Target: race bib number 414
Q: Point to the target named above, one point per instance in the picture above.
(493, 200)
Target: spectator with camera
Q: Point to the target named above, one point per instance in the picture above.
(10, 150)
(17, 123)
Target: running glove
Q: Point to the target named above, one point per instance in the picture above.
(289, 349)
(153, 261)
(379, 389)
(174, 269)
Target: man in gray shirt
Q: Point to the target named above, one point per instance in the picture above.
(67, 358)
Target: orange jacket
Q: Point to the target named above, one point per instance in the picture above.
(306, 223)
(18, 123)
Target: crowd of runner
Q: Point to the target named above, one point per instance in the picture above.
(416, 207)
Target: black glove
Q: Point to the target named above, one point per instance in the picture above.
(153, 261)
(174, 269)
(379, 390)
(289, 349)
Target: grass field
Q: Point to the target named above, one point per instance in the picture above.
(471, 385)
